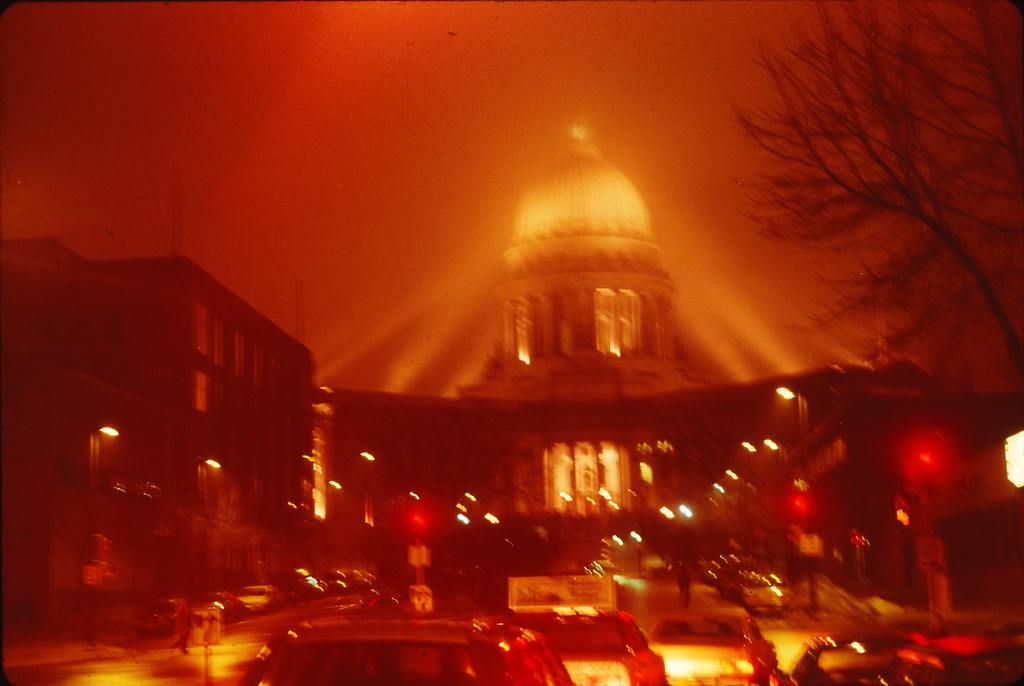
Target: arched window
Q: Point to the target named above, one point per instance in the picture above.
(617, 321)
(524, 330)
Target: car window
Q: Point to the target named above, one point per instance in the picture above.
(725, 627)
(579, 633)
(370, 664)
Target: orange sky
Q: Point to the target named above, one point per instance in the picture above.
(374, 153)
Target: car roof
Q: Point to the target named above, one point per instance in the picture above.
(434, 630)
(724, 613)
(971, 645)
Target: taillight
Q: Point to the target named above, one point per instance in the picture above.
(741, 666)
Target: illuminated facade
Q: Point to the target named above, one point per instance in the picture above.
(588, 316)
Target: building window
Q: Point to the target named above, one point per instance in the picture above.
(200, 329)
(257, 367)
(523, 330)
(200, 390)
(617, 321)
(218, 342)
(239, 355)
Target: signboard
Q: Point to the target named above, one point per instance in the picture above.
(419, 556)
(931, 552)
(422, 598)
(91, 575)
(811, 545)
(540, 593)
(207, 624)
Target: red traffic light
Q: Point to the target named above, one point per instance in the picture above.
(925, 455)
(418, 521)
(800, 504)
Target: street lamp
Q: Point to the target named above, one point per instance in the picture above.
(98, 548)
(801, 409)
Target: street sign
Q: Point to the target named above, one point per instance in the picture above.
(811, 545)
(542, 593)
(931, 552)
(91, 575)
(207, 624)
(419, 556)
(422, 598)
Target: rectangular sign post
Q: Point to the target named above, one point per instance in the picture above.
(542, 593)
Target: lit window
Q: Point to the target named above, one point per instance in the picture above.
(1015, 459)
(604, 321)
(523, 330)
(200, 328)
(616, 321)
(646, 473)
(200, 390)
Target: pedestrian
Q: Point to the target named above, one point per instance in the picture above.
(683, 580)
(182, 625)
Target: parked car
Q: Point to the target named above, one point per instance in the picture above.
(973, 659)
(761, 591)
(599, 647)
(233, 606)
(852, 657)
(260, 597)
(405, 652)
(722, 647)
(347, 582)
(156, 618)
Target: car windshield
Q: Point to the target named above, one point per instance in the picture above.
(854, 657)
(579, 633)
(359, 663)
(703, 627)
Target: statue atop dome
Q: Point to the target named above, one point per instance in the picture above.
(579, 139)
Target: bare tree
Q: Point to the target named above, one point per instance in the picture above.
(897, 134)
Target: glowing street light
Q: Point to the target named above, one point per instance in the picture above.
(462, 518)
(669, 514)
(491, 518)
(368, 456)
(565, 496)
(772, 445)
(109, 430)
(414, 495)
(334, 484)
(749, 446)
(635, 536)
(731, 474)
(785, 392)
(685, 511)
(470, 496)
(213, 463)
(718, 487)
(617, 540)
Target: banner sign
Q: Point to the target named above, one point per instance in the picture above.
(541, 593)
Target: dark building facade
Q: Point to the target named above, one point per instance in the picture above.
(212, 404)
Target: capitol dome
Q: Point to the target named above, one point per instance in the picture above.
(585, 196)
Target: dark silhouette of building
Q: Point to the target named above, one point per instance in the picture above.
(210, 480)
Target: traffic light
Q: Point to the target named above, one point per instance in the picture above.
(925, 455)
(418, 521)
(800, 505)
